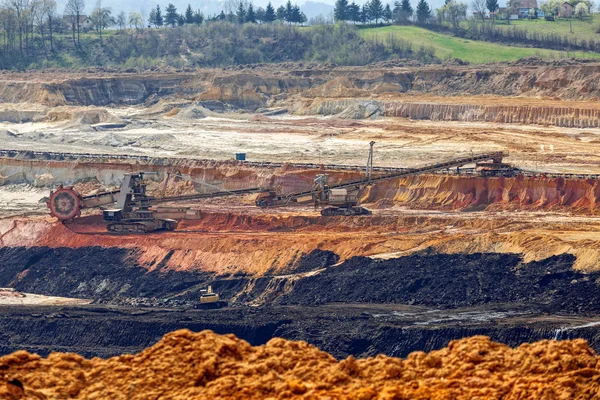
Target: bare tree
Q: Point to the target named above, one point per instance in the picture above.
(102, 18)
(52, 19)
(121, 20)
(479, 7)
(44, 19)
(20, 8)
(8, 23)
(74, 9)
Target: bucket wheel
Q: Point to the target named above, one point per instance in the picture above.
(65, 204)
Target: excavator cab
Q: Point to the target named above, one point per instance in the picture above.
(340, 202)
(210, 300)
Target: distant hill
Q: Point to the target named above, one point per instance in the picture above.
(315, 8)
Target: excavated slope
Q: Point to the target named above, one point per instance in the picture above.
(245, 88)
(462, 192)
(186, 365)
(565, 114)
(422, 191)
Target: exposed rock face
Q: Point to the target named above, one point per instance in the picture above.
(118, 90)
(566, 116)
(252, 89)
(460, 192)
(187, 365)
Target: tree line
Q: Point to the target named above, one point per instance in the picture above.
(244, 13)
(374, 10)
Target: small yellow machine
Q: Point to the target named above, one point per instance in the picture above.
(210, 300)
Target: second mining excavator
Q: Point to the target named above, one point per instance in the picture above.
(342, 198)
(134, 210)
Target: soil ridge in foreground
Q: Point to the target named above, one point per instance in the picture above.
(187, 365)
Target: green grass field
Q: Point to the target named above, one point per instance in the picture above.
(582, 29)
(477, 52)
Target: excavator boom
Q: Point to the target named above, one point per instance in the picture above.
(132, 212)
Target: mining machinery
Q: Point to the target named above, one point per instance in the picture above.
(137, 212)
(210, 300)
(134, 210)
(338, 198)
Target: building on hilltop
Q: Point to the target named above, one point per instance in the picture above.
(85, 22)
(565, 10)
(523, 8)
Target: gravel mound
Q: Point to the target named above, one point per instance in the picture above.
(187, 365)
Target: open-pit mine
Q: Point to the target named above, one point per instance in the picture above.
(383, 210)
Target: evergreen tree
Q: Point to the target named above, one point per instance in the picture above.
(340, 11)
(281, 13)
(156, 17)
(250, 15)
(492, 6)
(376, 10)
(354, 12)
(181, 20)
(387, 13)
(423, 11)
(270, 15)
(289, 12)
(260, 14)
(303, 18)
(160, 21)
(152, 17)
(365, 13)
(241, 13)
(406, 11)
(189, 15)
(171, 16)
(397, 10)
(298, 16)
(198, 18)
(222, 16)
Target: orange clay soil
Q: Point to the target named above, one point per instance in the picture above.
(187, 365)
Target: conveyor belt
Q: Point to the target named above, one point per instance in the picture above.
(224, 193)
(456, 162)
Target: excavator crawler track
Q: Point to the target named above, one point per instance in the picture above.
(132, 227)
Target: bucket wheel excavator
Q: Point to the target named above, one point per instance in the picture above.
(134, 210)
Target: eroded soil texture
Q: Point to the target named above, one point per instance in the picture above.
(111, 275)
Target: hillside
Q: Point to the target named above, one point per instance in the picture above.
(447, 46)
(579, 29)
(216, 44)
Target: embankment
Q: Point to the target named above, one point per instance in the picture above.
(572, 115)
(464, 193)
(341, 91)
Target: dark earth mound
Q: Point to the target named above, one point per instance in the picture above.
(453, 280)
(110, 275)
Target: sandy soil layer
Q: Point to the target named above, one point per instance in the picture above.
(185, 365)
